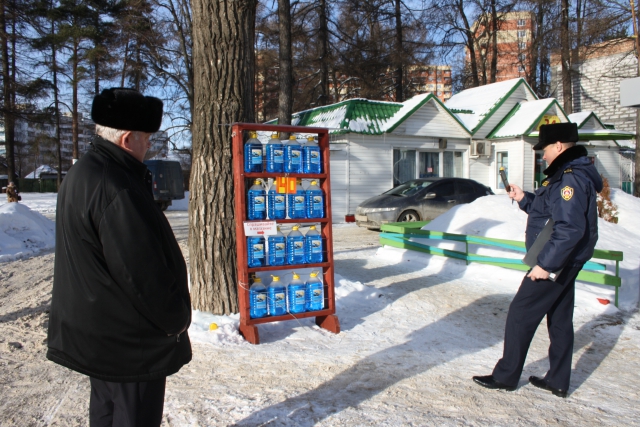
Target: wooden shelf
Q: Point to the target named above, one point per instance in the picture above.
(324, 318)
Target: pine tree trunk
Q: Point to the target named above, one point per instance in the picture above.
(7, 89)
(399, 55)
(323, 39)
(223, 63)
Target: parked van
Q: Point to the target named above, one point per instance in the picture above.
(167, 183)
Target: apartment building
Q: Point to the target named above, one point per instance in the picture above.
(513, 40)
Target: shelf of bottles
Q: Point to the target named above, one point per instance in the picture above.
(306, 259)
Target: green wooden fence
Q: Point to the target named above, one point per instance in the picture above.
(399, 234)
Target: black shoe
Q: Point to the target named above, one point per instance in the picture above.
(489, 382)
(542, 383)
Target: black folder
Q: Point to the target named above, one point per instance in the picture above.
(531, 258)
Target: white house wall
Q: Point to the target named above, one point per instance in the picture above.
(529, 165)
(429, 120)
(608, 164)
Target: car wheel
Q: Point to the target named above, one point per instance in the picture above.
(409, 216)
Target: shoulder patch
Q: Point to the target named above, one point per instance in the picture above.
(568, 170)
(545, 182)
(567, 193)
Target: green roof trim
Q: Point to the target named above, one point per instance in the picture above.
(430, 97)
(501, 102)
(592, 114)
(533, 123)
(461, 111)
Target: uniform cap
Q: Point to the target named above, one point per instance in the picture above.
(550, 134)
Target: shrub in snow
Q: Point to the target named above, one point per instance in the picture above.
(607, 210)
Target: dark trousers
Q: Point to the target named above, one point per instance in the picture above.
(532, 302)
(126, 404)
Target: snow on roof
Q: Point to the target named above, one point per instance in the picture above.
(42, 169)
(473, 105)
(523, 117)
(361, 115)
(580, 118)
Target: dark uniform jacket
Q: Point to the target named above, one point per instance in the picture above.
(120, 304)
(568, 195)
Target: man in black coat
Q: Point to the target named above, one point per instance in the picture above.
(120, 307)
(568, 196)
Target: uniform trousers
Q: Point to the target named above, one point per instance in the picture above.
(126, 404)
(532, 302)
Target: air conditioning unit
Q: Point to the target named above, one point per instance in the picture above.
(480, 148)
(442, 143)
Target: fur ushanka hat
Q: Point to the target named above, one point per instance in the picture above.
(550, 134)
(127, 109)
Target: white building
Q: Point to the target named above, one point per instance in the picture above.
(377, 145)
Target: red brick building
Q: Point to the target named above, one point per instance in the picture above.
(513, 37)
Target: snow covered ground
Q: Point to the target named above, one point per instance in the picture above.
(415, 328)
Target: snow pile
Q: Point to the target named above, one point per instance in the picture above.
(351, 297)
(496, 217)
(23, 232)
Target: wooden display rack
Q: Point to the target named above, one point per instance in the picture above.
(325, 318)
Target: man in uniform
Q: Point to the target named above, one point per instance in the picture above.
(120, 306)
(568, 196)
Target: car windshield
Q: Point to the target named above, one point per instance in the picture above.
(409, 188)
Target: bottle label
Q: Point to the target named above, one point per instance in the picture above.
(256, 156)
(316, 295)
(298, 297)
(299, 203)
(298, 248)
(279, 300)
(278, 156)
(279, 203)
(314, 157)
(317, 203)
(295, 157)
(258, 203)
(280, 250)
(259, 300)
(258, 250)
(316, 246)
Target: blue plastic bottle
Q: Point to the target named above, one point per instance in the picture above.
(275, 154)
(257, 299)
(277, 204)
(312, 157)
(257, 201)
(315, 201)
(296, 291)
(277, 297)
(297, 203)
(295, 247)
(277, 249)
(253, 154)
(313, 245)
(314, 293)
(256, 252)
(293, 162)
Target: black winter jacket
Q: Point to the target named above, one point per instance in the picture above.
(568, 195)
(120, 306)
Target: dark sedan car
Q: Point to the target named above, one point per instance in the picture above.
(418, 200)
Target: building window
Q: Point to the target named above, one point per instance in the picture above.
(522, 45)
(521, 68)
(452, 164)
(522, 34)
(522, 57)
(429, 165)
(522, 22)
(404, 165)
